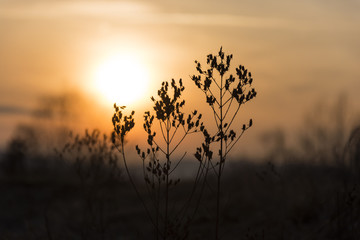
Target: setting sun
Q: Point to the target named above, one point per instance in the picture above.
(122, 79)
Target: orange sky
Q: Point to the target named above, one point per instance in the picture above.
(300, 52)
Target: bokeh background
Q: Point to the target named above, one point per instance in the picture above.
(293, 175)
(302, 55)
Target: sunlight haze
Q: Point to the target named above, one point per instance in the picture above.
(300, 53)
(121, 79)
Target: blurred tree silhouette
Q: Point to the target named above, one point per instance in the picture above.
(47, 129)
(326, 129)
(352, 151)
(14, 159)
(22, 150)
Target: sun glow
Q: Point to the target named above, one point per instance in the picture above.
(121, 79)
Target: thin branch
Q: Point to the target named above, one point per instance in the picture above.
(157, 145)
(237, 139)
(133, 183)
(177, 164)
(201, 192)
(216, 116)
(232, 119)
(199, 173)
(227, 110)
(162, 131)
(213, 168)
(214, 97)
(146, 184)
(178, 144)
(230, 98)
(173, 135)
(215, 82)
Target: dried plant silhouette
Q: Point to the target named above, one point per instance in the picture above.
(159, 162)
(225, 94)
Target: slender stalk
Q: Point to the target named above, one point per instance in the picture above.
(122, 150)
(167, 176)
(158, 209)
(220, 164)
(229, 93)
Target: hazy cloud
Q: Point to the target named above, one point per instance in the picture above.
(12, 110)
(216, 20)
(55, 9)
(133, 12)
(148, 12)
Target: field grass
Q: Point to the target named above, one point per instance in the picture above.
(260, 201)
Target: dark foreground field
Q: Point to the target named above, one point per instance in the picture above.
(260, 201)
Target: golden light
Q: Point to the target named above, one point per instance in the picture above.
(122, 79)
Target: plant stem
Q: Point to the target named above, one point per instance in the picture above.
(158, 209)
(122, 151)
(220, 164)
(167, 176)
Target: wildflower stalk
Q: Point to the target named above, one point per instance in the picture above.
(174, 127)
(122, 126)
(225, 96)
